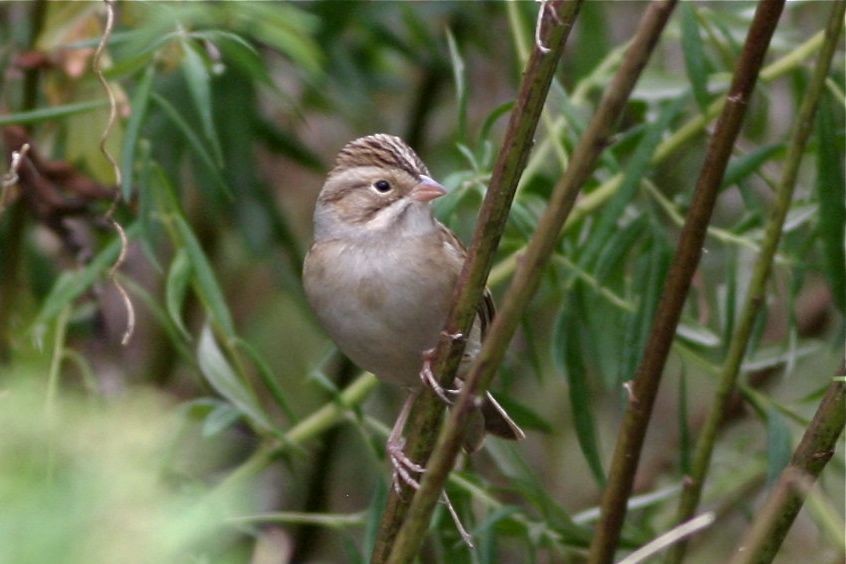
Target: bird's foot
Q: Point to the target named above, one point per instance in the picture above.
(428, 378)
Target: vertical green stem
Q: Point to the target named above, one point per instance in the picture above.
(757, 287)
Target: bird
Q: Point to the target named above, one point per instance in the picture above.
(380, 275)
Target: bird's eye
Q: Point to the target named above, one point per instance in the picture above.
(382, 186)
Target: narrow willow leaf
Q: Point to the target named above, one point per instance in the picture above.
(206, 284)
(72, 284)
(521, 217)
(697, 334)
(493, 117)
(569, 334)
(740, 168)
(50, 114)
(695, 62)
(284, 143)
(832, 195)
(222, 416)
(468, 154)
(635, 169)
(130, 137)
(220, 375)
(199, 85)
(374, 517)
(194, 142)
(612, 258)
(522, 479)
(162, 318)
(178, 278)
(650, 273)
(268, 377)
(460, 85)
(779, 446)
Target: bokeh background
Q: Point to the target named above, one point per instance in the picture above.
(204, 438)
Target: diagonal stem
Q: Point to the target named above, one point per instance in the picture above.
(538, 252)
(555, 25)
(648, 377)
(772, 522)
(757, 288)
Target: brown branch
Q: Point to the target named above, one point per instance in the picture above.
(538, 252)
(772, 522)
(755, 297)
(556, 24)
(648, 377)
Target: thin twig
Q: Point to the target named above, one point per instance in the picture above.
(97, 66)
(556, 23)
(531, 264)
(648, 376)
(772, 522)
(690, 497)
(669, 538)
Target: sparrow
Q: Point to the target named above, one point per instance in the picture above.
(380, 275)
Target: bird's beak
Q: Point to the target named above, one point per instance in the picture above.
(427, 190)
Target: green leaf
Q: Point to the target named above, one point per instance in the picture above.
(205, 282)
(650, 272)
(779, 446)
(832, 195)
(178, 278)
(493, 117)
(130, 138)
(72, 284)
(697, 334)
(695, 62)
(522, 478)
(635, 169)
(199, 85)
(221, 416)
(194, 142)
(569, 349)
(374, 517)
(162, 318)
(284, 143)
(618, 246)
(267, 376)
(50, 114)
(223, 379)
(460, 85)
(741, 167)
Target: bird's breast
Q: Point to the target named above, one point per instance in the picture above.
(382, 305)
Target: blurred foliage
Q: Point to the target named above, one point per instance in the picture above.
(230, 114)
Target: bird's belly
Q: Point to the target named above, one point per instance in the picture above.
(382, 318)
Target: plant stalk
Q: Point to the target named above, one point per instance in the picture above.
(692, 491)
(595, 140)
(772, 522)
(556, 23)
(648, 376)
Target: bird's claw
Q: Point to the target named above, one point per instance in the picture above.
(428, 378)
(403, 467)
